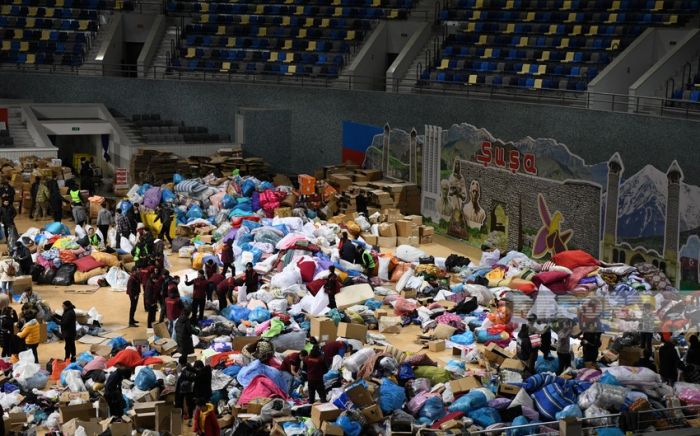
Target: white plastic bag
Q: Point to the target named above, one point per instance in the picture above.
(74, 380)
(93, 316)
(79, 232)
(112, 237)
(242, 294)
(125, 244)
(320, 302)
(25, 368)
(278, 305)
(355, 362)
(80, 431)
(53, 422)
(337, 363)
(383, 272)
(117, 278)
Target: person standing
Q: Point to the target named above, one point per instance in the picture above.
(250, 279)
(79, 215)
(591, 348)
(165, 216)
(214, 281)
(315, 368)
(23, 257)
(184, 389)
(113, 391)
(140, 253)
(199, 296)
(104, 219)
(692, 357)
(75, 195)
(202, 383)
(669, 362)
(227, 258)
(7, 192)
(7, 218)
(332, 287)
(8, 319)
(8, 271)
(31, 334)
(41, 209)
(150, 301)
(86, 175)
(205, 421)
(173, 309)
(524, 350)
(56, 201)
(134, 217)
(133, 290)
(183, 333)
(564, 345)
(123, 227)
(68, 331)
(34, 190)
(646, 326)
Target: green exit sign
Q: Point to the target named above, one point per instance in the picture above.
(75, 129)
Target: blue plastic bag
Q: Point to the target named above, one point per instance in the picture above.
(238, 314)
(466, 338)
(374, 305)
(146, 379)
(195, 212)
(232, 371)
(142, 190)
(167, 195)
(85, 356)
(391, 396)
(485, 416)
(250, 225)
(609, 379)
(248, 188)
(117, 342)
(520, 420)
(570, 411)
(406, 371)
(543, 365)
(610, 431)
(177, 178)
(471, 401)
(125, 206)
(433, 410)
(264, 186)
(282, 228)
(259, 314)
(228, 202)
(330, 376)
(350, 428)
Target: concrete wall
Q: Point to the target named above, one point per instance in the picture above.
(370, 61)
(273, 142)
(317, 116)
(111, 53)
(397, 70)
(151, 44)
(136, 27)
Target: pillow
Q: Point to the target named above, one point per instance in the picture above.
(106, 258)
(443, 331)
(547, 278)
(87, 263)
(522, 399)
(574, 258)
(307, 270)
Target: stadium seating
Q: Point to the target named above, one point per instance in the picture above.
(157, 131)
(280, 37)
(50, 32)
(559, 45)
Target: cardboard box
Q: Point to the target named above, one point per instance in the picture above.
(83, 412)
(354, 294)
(241, 341)
(255, 406)
(465, 384)
(43, 333)
(417, 220)
(404, 228)
(386, 242)
(168, 418)
(387, 230)
(409, 293)
(160, 329)
(370, 238)
(401, 428)
(144, 414)
(629, 356)
(506, 390)
(353, 331)
(67, 397)
(323, 329)
(101, 350)
(379, 313)
(514, 364)
(123, 428)
(226, 420)
(329, 429)
(278, 425)
(21, 284)
(570, 427)
(91, 427)
(321, 413)
(452, 423)
(426, 239)
(373, 414)
(165, 346)
(495, 354)
(360, 396)
(436, 346)
(283, 212)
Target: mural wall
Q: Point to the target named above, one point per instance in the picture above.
(535, 196)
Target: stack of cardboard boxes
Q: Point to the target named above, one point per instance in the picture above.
(23, 175)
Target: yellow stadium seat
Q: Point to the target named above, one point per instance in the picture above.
(614, 44)
(19, 34)
(470, 27)
(312, 46)
(545, 56)
(6, 45)
(350, 36)
(325, 22)
(566, 6)
(483, 39)
(50, 12)
(479, 4)
(576, 31)
(245, 19)
(204, 7)
(673, 19)
(221, 30)
(30, 23)
(572, 18)
(394, 13)
(476, 15)
(299, 10)
(376, 3)
(45, 35)
(612, 19)
(262, 31)
(564, 43)
(541, 69)
(190, 52)
(17, 2)
(231, 42)
(524, 69)
(530, 17)
(538, 83)
(510, 28)
(523, 42)
(552, 29)
(285, 21)
(309, 22)
(302, 33)
(509, 5)
(273, 56)
(287, 45)
(615, 6)
(444, 64)
(593, 30)
(569, 57)
(487, 53)
(472, 79)
(59, 3)
(83, 25)
(32, 12)
(335, 3)
(31, 58)
(225, 67)
(659, 6)
(204, 18)
(6, 9)
(288, 2)
(292, 69)
(260, 9)
(24, 46)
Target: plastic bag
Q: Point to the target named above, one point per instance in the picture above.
(74, 380)
(485, 416)
(276, 327)
(275, 409)
(195, 212)
(570, 411)
(146, 379)
(432, 411)
(355, 362)
(85, 356)
(350, 428)
(125, 244)
(259, 314)
(289, 341)
(117, 342)
(406, 371)
(471, 401)
(391, 396)
(37, 381)
(466, 338)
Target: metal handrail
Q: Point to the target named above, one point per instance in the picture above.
(575, 99)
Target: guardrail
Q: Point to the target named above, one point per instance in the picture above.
(652, 106)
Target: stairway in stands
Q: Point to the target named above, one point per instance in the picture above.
(18, 130)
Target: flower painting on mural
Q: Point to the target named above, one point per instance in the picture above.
(550, 238)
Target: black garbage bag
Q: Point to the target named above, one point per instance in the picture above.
(36, 271)
(178, 243)
(64, 275)
(46, 278)
(455, 261)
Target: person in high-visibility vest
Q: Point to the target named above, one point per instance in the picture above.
(140, 254)
(75, 196)
(94, 238)
(366, 260)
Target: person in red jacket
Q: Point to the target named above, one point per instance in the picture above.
(199, 296)
(292, 363)
(331, 287)
(210, 268)
(173, 309)
(214, 281)
(145, 273)
(173, 286)
(227, 258)
(314, 367)
(133, 290)
(335, 348)
(250, 279)
(205, 420)
(223, 290)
